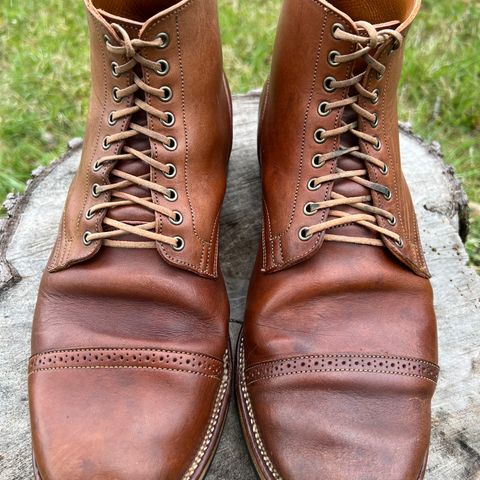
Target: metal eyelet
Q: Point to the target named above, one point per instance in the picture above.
(376, 92)
(327, 84)
(96, 167)
(379, 75)
(89, 215)
(111, 120)
(317, 161)
(172, 195)
(86, 241)
(311, 185)
(115, 96)
(105, 144)
(165, 38)
(164, 67)
(307, 209)
(388, 195)
(180, 245)
(167, 94)
(378, 145)
(384, 169)
(335, 27)
(399, 243)
(331, 58)
(172, 145)
(170, 122)
(95, 191)
(395, 46)
(318, 135)
(304, 234)
(374, 124)
(172, 170)
(323, 109)
(114, 69)
(392, 221)
(107, 40)
(177, 220)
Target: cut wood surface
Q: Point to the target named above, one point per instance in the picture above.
(27, 236)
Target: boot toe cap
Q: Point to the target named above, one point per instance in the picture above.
(337, 424)
(107, 418)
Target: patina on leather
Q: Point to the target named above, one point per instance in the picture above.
(130, 368)
(338, 357)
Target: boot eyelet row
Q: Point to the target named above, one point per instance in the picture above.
(170, 121)
(304, 234)
(164, 67)
(165, 38)
(180, 245)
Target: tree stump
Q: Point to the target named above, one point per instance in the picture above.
(29, 231)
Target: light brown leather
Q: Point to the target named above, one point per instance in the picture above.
(337, 360)
(130, 368)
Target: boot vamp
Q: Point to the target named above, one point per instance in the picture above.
(338, 371)
(130, 298)
(129, 372)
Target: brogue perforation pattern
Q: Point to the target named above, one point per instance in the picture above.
(127, 358)
(343, 363)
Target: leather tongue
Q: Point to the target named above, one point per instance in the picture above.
(132, 27)
(348, 187)
(132, 214)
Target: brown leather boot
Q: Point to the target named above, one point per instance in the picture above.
(337, 359)
(130, 372)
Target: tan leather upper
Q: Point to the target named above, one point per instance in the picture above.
(290, 104)
(337, 363)
(200, 158)
(130, 371)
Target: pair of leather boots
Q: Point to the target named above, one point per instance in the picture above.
(131, 370)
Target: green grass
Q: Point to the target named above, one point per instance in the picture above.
(44, 80)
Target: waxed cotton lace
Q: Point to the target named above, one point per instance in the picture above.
(366, 216)
(130, 48)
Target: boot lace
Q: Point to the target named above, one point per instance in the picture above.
(119, 197)
(367, 212)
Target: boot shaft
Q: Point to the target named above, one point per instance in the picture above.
(183, 159)
(333, 84)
